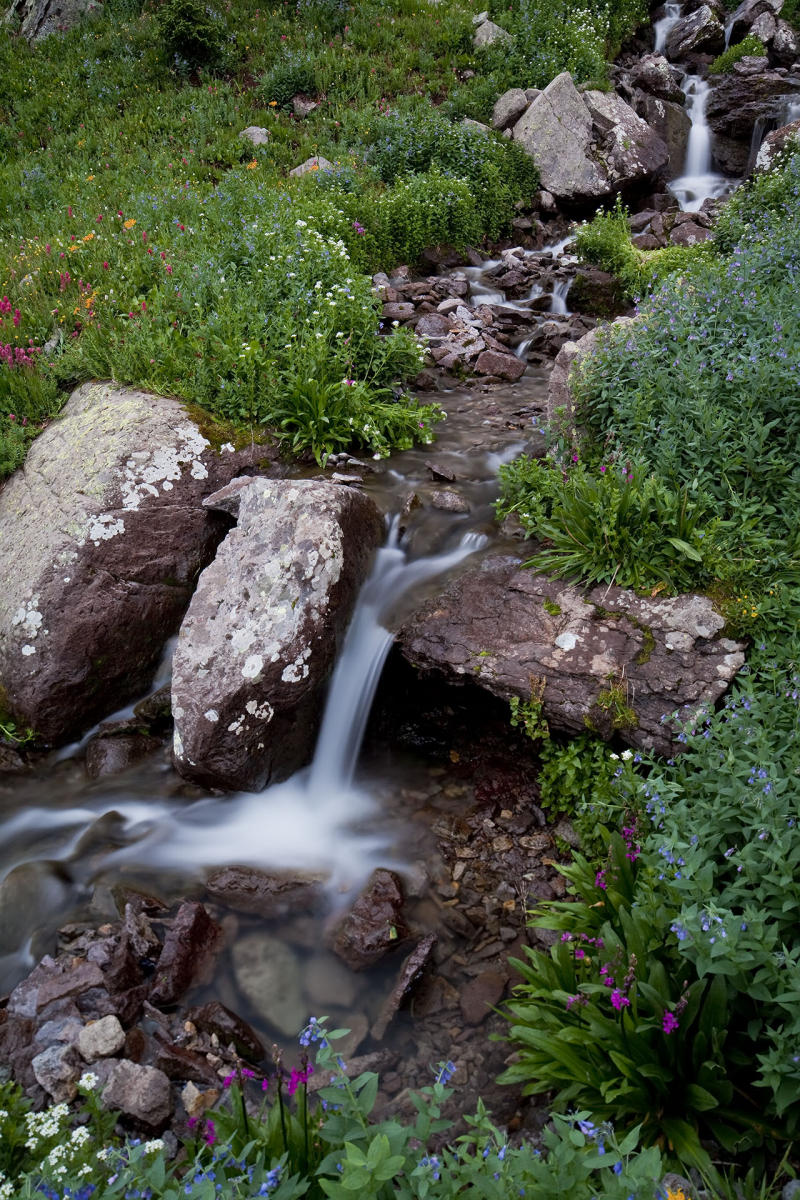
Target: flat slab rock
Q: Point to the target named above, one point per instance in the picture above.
(264, 627)
(102, 534)
(507, 630)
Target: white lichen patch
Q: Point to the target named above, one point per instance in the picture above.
(212, 715)
(146, 471)
(567, 641)
(29, 617)
(102, 528)
(297, 670)
(177, 744)
(27, 650)
(236, 726)
(263, 711)
(253, 666)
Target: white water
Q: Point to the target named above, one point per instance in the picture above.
(558, 302)
(698, 182)
(662, 28)
(311, 821)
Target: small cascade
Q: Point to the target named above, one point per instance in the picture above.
(558, 302)
(729, 29)
(662, 28)
(786, 111)
(698, 182)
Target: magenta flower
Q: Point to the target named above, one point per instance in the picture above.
(299, 1077)
(210, 1135)
(669, 1023)
(618, 1000)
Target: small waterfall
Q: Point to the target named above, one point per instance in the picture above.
(558, 302)
(366, 645)
(311, 821)
(729, 29)
(698, 182)
(662, 28)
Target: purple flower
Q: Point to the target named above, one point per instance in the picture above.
(618, 1000)
(669, 1023)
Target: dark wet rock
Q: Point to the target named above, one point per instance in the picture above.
(264, 628)
(509, 107)
(58, 1069)
(40, 18)
(268, 974)
(52, 980)
(654, 75)
(268, 894)
(402, 311)
(774, 145)
(155, 711)
(374, 924)
(481, 994)
(505, 366)
(743, 17)
(136, 953)
(215, 1018)
(180, 1062)
(597, 293)
(587, 146)
(12, 763)
(441, 472)
(449, 502)
(190, 947)
(408, 976)
(102, 533)
(701, 32)
(689, 233)
(142, 1093)
(750, 92)
(113, 751)
(608, 660)
(29, 896)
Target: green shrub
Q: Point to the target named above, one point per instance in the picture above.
(429, 209)
(749, 45)
(289, 77)
(191, 33)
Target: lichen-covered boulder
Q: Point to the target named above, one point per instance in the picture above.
(587, 146)
(699, 32)
(774, 145)
(263, 628)
(39, 18)
(102, 535)
(608, 660)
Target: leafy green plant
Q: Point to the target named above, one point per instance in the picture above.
(748, 45)
(290, 76)
(528, 714)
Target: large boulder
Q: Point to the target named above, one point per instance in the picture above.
(102, 535)
(774, 145)
(608, 660)
(263, 628)
(654, 75)
(39, 18)
(701, 32)
(750, 92)
(744, 17)
(587, 146)
(672, 124)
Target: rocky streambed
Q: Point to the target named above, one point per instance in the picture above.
(171, 927)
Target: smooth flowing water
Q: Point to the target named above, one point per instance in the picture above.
(663, 28)
(698, 182)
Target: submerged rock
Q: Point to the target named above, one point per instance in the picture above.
(608, 660)
(264, 627)
(268, 974)
(373, 925)
(102, 534)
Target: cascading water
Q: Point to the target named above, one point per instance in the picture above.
(662, 28)
(558, 302)
(698, 182)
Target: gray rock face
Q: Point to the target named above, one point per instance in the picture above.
(785, 46)
(654, 75)
(257, 135)
(262, 630)
(101, 1039)
(587, 146)
(102, 533)
(57, 1070)
(700, 32)
(672, 124)
(488, 33)
(747, 13)
(610, 659)
(139, 1092)
(39, 18)
(317, 163)
(509, 108)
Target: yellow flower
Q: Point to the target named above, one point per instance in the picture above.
(89, 178)
(87, 237)
(129, 224)
(273, 103)
(251, 166)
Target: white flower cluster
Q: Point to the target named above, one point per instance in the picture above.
(42, 1126)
